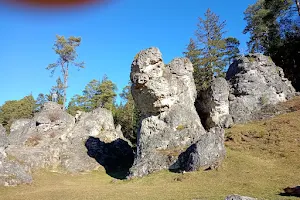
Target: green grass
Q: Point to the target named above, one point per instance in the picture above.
(262, 159)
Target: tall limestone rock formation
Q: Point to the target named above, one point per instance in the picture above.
(255, 81)
(165, 95)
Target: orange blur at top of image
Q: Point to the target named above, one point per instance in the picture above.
(52, 3)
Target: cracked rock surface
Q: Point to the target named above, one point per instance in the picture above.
(255, 81)
(165, 95)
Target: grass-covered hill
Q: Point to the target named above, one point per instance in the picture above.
(262, 159)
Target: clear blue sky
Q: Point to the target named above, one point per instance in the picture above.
(111, 36)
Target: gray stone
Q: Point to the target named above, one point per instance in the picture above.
(238, 197)
(255, 81)
(12, 173)
(19, 130)
(165, 95)
(48, 123)
(206, 153)
(97, 123)
(31, 157)
(53, 119)
(3, 137)
(213, 105)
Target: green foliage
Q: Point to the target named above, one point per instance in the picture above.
(208, 53)
(59, 90)
(274, 27)
(96, 94)
(127, 115)
(193, 53)
(66, 50)
(40, 100)
(16, 109)
(77, 102)
(105, 96)
(232, 49)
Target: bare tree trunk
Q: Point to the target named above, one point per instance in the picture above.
(298, 6)
(65, 86)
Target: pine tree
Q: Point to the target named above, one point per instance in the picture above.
(193, 53)
(57, 89)
(274, 27)
(128, 115)
(232, 49)
(66, 50)
(95, 94)
(207, 53)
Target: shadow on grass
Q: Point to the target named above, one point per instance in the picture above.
(116, 157)
(291, 191)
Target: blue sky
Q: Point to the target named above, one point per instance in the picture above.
(111, 36)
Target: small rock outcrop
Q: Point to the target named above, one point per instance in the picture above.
(54, 141)
(213, 105)
(165, 95)
(255, 81)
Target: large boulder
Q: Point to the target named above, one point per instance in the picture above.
(165, 95)
(213, 105)
(255, 81)
(206, 153)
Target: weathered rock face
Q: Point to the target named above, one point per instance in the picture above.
(213, 105)
(255, 81)
(165, 94)
(205, 153)
(54, 141)
(98, 124)
(95, 122)
(12, 173)
(3, 138)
